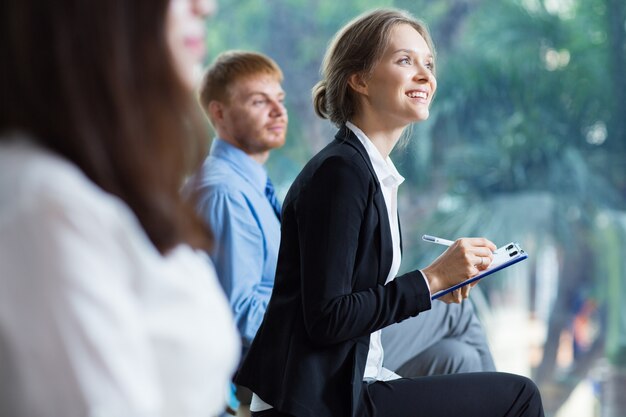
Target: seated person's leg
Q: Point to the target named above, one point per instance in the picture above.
(448, 356)
(244, 395)
(485, 394)
(404, 342)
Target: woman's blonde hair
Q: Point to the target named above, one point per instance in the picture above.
(356, 48)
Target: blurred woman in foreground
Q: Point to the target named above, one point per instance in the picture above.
(107, 307)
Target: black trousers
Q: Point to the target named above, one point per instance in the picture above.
(485, 394)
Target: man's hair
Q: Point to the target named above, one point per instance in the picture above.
(356, 49)
(95, 82)
(231, 67)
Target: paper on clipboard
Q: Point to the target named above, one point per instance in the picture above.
(504, 256)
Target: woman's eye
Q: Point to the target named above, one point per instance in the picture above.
(405, 60)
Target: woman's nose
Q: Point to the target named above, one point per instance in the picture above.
(204, 7)
(423, 73)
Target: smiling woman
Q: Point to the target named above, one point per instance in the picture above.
(318, 351)
(399, 89)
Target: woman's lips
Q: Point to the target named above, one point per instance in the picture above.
(195, 44)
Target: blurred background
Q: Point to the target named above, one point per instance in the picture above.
(526, 142)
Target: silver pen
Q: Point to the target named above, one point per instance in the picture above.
(438, 240)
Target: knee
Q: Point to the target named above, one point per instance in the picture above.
(521, 396)
(531, 393)
(448, 356)
(458, 357)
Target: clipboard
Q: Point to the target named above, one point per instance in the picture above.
(504, 256)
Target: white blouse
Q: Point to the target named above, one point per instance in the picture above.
(389, 179)
(94, 321)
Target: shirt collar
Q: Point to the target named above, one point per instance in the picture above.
(385, 170)
(248, 168)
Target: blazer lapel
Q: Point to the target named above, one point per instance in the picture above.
(386, 245)
(400, 233)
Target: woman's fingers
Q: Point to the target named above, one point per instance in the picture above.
(462, 260)
(483, 262)
(452, 297)
(465, 291)
(457, 296)
(482, 252)
(481, 242)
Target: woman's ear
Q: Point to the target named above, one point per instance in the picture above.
(357, 83)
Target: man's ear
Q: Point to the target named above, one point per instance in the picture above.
(357, 83)
(215, 111)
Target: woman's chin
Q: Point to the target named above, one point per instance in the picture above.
(422, 115)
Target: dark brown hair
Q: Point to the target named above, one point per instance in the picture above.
(356, 48)
(94, 82)
(230, 67)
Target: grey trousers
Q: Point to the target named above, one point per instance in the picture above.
(447, 339)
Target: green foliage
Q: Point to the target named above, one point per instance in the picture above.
(517, 95)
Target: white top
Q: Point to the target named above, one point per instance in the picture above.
(93, 320)
(389, 180)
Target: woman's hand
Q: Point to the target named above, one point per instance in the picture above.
(462, 260)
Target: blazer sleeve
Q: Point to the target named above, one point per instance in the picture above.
(330, 219)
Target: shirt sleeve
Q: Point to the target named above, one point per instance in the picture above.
(239, 255)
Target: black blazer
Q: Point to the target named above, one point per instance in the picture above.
(308, 357)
